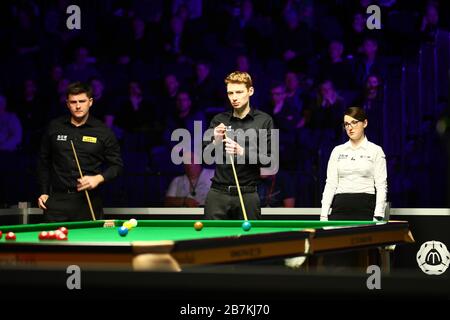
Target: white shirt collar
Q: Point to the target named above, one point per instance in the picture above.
(363, 145)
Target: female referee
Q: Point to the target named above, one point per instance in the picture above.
(356, 183)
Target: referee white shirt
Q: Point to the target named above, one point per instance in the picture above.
(181, 187)
(356, 170)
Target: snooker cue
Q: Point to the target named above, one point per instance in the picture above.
(237, 185)
(81, 175)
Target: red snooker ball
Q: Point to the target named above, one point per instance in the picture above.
(1, 234)
(10, 236)
(61, 236)
(43, 235)
(64, 230)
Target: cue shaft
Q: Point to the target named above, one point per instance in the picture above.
(237, 185)
(81, 175)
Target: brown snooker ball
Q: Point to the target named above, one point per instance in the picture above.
(198, 226)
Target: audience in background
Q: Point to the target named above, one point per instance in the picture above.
(10, 128)
(190, 189)
(276, 190)
(155, 67)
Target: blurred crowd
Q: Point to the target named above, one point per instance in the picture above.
(155, 66)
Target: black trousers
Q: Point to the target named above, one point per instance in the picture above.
(222, 205)
(62, 207)
(353, 206)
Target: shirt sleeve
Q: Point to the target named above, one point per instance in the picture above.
(267, 154)
(260, 152)
(208, 145)
(380, 179)
(113, 158)
(331, 184)
(172, 190)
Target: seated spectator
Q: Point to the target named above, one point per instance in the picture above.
(326, 111)
(276, 190)
(10, 128)
(429, 26)
(243, 63)
(285, 118)
(336, 68)
(184, 117)
(356, 34)
(139, 120)
(31, 108)
(175, 42)
(136, 113)
(168, 96)
(205, 90)
(80, 69)
(372, 101)
(296, 95)
(284, 114)
(294, 41)
(369, 62)
(190, 189)
(325, 123)
(102, 109)
(26, 40)
(142, 42)
(245, 27)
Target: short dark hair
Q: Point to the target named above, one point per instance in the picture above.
(356, 112)
(79, 88)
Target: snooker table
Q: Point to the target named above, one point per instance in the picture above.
(172, 245)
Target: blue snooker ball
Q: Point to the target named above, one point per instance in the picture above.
(123, 231)
(246, 226)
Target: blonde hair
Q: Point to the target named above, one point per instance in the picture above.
(239, 77)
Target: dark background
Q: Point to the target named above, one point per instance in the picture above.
(131, 50)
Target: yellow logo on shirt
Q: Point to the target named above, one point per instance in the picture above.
(89, 139)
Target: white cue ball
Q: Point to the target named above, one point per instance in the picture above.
(133, 222)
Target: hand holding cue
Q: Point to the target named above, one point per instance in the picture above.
(237, 185)
(81, 175)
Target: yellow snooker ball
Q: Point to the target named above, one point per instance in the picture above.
(128, 225)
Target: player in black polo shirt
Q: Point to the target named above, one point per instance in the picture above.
(222, 201)
(62, 190)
